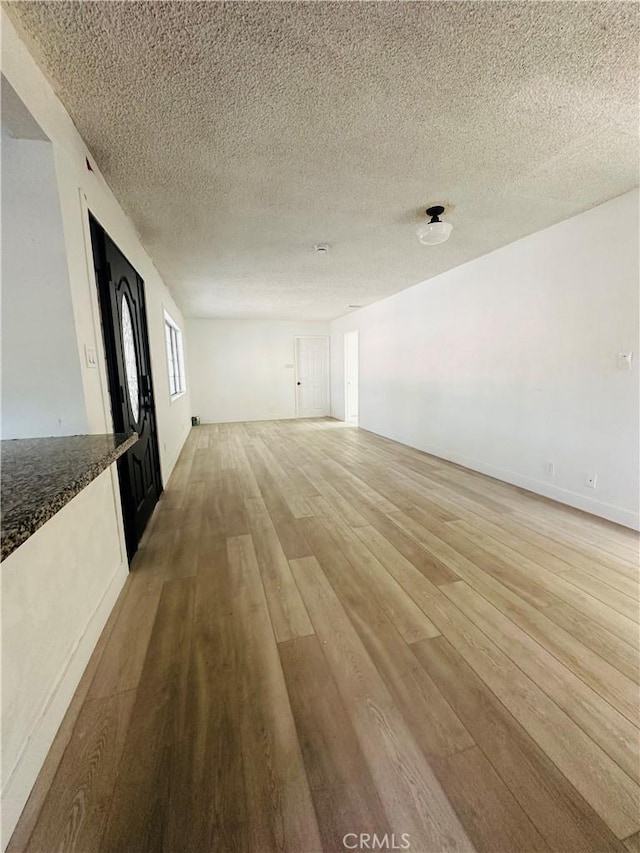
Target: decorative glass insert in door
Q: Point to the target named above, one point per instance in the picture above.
(130, 358)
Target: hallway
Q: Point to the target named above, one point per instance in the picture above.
(326, 634)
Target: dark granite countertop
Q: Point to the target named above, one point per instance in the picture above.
(39, 476)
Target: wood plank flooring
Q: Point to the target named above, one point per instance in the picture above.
(330, 641)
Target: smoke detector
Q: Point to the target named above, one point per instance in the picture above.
(321, 247)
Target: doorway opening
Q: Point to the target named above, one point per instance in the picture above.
(42, 391)
(126, 344)
(351, 403)
(312, 376)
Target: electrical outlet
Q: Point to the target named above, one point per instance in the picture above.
(624, 360)
(592, 479)
(551, 469)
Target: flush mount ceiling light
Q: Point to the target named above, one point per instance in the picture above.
(435, 231)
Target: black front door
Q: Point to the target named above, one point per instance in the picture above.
(124, 326)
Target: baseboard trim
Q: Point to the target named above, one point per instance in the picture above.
(18, 786)
(619, 515)
(166, 475)
(244, 420)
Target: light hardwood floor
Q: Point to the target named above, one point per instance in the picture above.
(325, 632)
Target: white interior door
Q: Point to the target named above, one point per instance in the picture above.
(312, 377)
(351, 377)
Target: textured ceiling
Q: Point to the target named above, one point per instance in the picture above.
(238, 135)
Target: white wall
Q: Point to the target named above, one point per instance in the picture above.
(242, 370)
(60, 585)
(510, 361)
(80, 189)
(42, 390)
(77, 562)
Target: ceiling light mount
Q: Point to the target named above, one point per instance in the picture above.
(434, 212)
(435, 231)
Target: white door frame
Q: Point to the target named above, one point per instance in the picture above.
(103, 379)
(295, 361)
(349, 337)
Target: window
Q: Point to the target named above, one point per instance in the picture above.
(130, 359)
(175, 357)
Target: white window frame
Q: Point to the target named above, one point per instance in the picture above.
(175, 357)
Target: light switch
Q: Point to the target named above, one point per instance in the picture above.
(90, 357)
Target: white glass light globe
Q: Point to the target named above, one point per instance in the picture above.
(432, 233)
